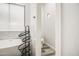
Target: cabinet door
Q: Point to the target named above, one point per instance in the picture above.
(4, 17)
(16, 18)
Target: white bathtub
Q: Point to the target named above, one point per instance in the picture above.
(9, 47)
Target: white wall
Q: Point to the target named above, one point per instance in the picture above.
(70, 29)
(4, 16)
(48, 23)
(16, 21)
(11, 17)
(27, 14)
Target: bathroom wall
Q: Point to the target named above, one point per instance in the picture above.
(11, 17)
(70, 29)
(4, 16)
(48, 23)
(27, 14)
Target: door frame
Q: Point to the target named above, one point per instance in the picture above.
(58, 30)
